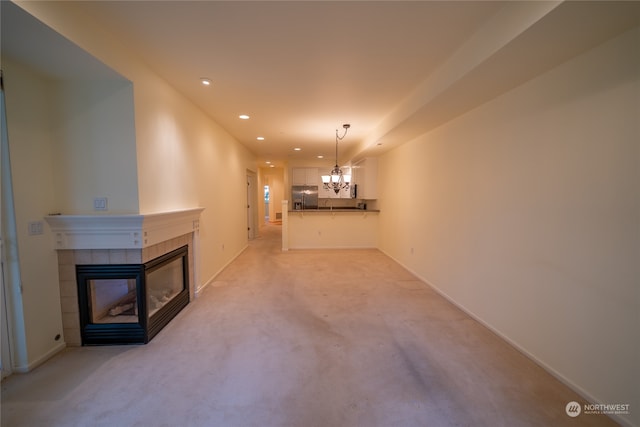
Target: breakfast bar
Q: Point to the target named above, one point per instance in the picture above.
(329, 228)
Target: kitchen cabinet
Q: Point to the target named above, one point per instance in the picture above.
(305, 176)
(365, 176)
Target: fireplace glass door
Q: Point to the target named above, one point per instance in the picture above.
(166, 288)
(110, 302)
(113, 301)
(163, 284)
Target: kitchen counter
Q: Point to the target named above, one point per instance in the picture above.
(328, 210)
(326, 227)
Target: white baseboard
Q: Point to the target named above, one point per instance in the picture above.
(309, 248)
(40, 360)
(200, 289)
(559, 376)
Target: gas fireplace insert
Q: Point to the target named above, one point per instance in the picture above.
(131, 303)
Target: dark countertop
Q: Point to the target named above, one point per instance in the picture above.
(329, 210)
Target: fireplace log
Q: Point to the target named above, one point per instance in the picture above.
(119, 309)
(125, 304)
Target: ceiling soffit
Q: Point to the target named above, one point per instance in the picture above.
(549, 34)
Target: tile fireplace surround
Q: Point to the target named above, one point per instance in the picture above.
(117, 239)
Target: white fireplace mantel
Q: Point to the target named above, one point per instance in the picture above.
(134, 231)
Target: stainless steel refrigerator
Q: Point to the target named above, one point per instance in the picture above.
(304, 197)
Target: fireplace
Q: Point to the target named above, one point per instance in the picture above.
(131, 303)
(124, 277)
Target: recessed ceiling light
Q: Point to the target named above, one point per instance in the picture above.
(321, 157)
(268, 162)
(205, 81)
(260, 138)
(272, 166)
(243, 117)
(297, 149)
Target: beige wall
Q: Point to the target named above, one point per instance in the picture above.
(94, 151)
(169, 155)
(525, 213)
(29, 99)
(182, 155)
(69, 142)
(186, 160)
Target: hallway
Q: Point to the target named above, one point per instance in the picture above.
(300, 338)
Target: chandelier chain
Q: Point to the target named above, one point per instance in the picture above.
(336, 180)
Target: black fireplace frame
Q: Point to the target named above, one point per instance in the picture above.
(147, 327)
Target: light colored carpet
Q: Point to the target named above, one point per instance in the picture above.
(302, 339)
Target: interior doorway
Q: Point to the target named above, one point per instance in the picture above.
(252, 215)
(266, 203)
(271, 194)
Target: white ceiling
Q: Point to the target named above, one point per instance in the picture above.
(391, 69)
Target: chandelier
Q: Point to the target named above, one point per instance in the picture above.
(336, 180)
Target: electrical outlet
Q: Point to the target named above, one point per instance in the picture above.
(100, 204)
